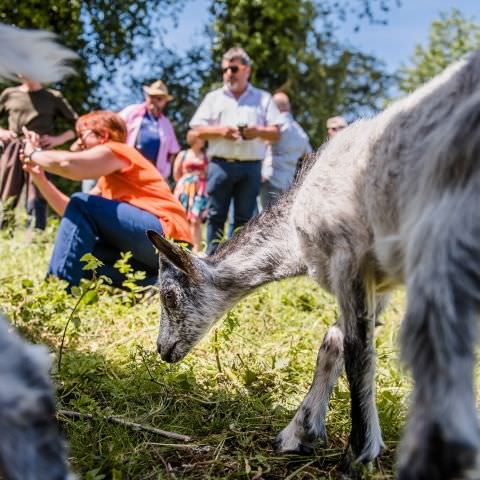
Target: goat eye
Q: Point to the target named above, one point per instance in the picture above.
(170, 299)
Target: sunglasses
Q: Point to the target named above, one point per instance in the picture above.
(233, 69)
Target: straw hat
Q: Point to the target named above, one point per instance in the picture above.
(157, 88)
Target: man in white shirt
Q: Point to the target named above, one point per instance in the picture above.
(280, 163)
(237, 120)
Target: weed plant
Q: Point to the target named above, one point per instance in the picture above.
(232, 394)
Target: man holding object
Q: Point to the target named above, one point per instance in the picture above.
(237, 120)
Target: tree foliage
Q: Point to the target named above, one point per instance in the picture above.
(450, 38)
(105, 35)
(292, 43)
(293, 47)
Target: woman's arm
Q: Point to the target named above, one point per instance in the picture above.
(177, 166)
(7, 135)
(57, 200)
(92, 163)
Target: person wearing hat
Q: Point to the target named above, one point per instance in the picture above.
(149, 130)
(335, 124)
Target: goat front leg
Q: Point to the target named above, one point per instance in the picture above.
(365, 438)
(308, 424)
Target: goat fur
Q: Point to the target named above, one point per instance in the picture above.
(389, 200)
(31, 444)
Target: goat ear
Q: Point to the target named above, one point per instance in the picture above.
(173, 253)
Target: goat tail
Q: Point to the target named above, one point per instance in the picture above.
(33, 54)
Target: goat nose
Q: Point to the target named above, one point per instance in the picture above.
(167, 352)
(159, 348)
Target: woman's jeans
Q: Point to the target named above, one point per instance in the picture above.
(93, 224)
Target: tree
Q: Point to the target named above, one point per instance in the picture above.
(104, 37)
(450, 38)
(293, 48)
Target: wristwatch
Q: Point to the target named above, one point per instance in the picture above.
(38, 149)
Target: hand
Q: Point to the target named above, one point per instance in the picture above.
(77, 146)
(35, 171)
(250, 132)
(32, 141)
(50, 141)
(7, 135)
(230, 133)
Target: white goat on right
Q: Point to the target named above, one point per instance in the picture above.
(392, 199)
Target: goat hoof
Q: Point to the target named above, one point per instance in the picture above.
(351, 469)
(453, 462)
(294, 448)
(292, 445)
(431, 452)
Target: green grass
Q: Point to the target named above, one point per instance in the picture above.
(236, 390)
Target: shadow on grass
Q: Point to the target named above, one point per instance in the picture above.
(232, 427)
(232, 416)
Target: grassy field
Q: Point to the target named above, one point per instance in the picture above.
(232, 394)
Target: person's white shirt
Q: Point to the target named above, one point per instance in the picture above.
(253, 107)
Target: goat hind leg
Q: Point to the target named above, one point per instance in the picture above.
(365, 438)
(308, 424)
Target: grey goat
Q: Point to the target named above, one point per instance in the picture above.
(389, 200)
(31, 445)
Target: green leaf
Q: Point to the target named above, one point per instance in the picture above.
(92, 263)
(76, 291)
(249, 377)
(90, 297)
(117, 474)
(27, 283)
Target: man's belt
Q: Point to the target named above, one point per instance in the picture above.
(234, 160)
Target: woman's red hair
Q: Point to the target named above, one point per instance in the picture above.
(103, 122)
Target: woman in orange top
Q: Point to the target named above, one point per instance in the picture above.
(130, 197)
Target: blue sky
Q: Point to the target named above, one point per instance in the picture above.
(394, 43)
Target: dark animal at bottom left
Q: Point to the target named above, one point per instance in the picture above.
(31, 444)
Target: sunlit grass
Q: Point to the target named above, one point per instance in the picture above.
(232, 394)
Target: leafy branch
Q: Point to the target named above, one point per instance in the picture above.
(87, 295)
